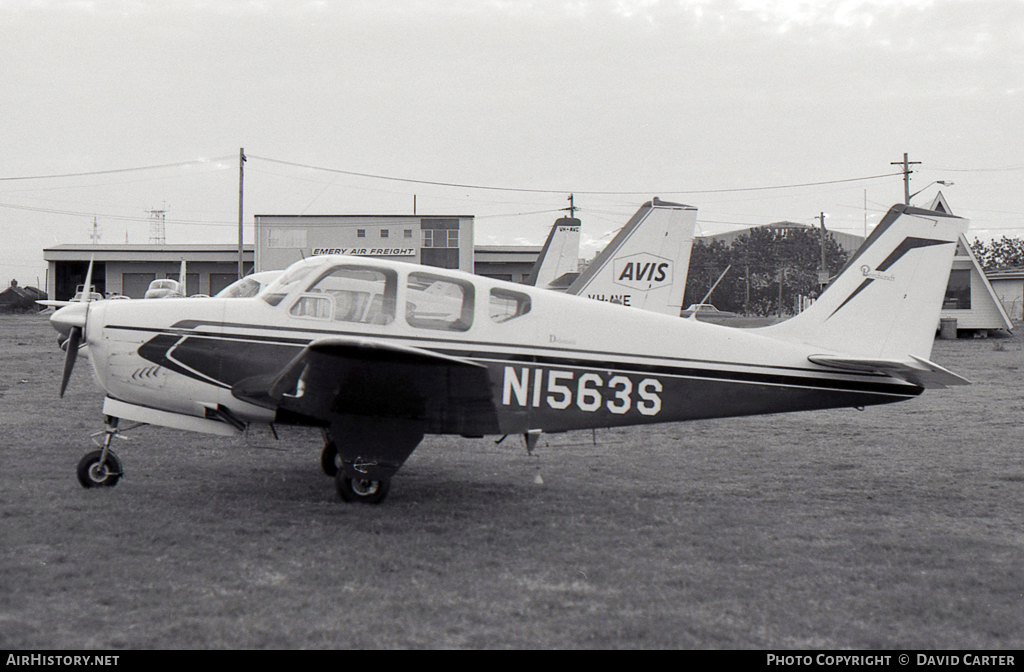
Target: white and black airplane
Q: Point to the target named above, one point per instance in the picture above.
(644, 266)
(380, 353)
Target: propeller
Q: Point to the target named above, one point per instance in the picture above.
(69, 358)
(73, 316)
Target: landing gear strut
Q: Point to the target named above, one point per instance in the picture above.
(329, 460)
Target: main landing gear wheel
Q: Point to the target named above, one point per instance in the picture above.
(329, 460)
(92, 473)
(361, 489)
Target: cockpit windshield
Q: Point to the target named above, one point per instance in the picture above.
(290, 280)
(248, 286)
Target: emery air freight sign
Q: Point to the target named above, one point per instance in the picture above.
(367, 251)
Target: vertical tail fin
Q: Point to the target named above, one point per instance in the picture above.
(885, 303)
(559, 256)
(645, 265)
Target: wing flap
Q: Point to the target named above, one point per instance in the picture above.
(919, 371)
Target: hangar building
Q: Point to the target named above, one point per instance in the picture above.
(128, 269)
(506, 262)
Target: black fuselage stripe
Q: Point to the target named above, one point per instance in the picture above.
(542, 361)
(451, 345)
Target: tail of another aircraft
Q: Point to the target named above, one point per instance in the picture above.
(559, 257)
(645, 265)
(883, 308)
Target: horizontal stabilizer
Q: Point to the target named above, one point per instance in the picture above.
(919, 371)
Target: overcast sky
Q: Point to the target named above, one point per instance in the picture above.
(704, 102)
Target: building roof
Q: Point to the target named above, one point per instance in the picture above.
(1016, 273)
(191, 252)
(294, 216)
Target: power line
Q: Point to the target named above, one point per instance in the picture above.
(979, 170)
(115, 170)
(126, 218)
(563, 191)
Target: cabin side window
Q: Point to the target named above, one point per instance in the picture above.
(507, 305)
(355, 294)
(438, 302)
(316, 307)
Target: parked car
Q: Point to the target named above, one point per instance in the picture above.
(705, 310)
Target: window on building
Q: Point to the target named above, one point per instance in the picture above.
(440, 242)
(506, 305)
(384, 233)
(407, 233)
(958, 291)
(360, 233)
(286, 238)
(437, 302)
(440, 232)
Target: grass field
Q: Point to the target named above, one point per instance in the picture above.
(896, 527)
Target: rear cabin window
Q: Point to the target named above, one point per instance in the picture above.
(350, 294)
(506, 305)
(437, 302)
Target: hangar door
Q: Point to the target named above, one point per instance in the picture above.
(219, 281)
(136, 284)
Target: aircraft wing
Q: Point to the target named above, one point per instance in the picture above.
(920, 371)
(376, 380)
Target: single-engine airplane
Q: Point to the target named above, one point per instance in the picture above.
(379, 353)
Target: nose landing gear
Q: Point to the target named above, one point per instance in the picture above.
(102, 468)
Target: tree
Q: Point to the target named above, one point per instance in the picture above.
(761, 259)
(1003, 253)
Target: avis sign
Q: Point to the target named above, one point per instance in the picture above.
(642, 271)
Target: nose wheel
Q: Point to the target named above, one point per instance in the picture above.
(98, 470)
(102, 468)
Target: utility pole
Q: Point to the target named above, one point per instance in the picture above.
(823, 274)
(572, 206)
(241, 182)
(906, 175)
(95, 235)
